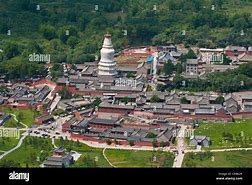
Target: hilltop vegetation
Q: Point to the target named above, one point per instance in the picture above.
(72, 31)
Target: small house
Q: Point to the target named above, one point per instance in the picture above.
(200, 140)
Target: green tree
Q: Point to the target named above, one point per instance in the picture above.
(131, 142)
(164, 144)
(220, 100)
(178, 81)
(155, 99)
(179, 68)
(184, 100)
(240, 24)
(56, 70)
(84, 58)
(109, 142)
(130, 75)
(48, 31)
(72, 41)
(154, 143)
(125, 100)
(11, 50)
(191, 54)
(67, 31)
(219, 3)
(64, 93)
(151, 135)
(97, 101)
(3, 28)
(18, 68)
(168, 68)
(226, 60)
(34, 47)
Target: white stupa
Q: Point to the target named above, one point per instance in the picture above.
(107, 64)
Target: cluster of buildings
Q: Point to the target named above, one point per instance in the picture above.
(127, 110)
(120, 130)
(200, 141)
(238, 54)
(140, 117)
(59, 159)
(130, 72)
(212, 60)
(106, 75)
(198, 106)
(21, 95)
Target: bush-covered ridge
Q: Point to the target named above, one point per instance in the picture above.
(44, 30)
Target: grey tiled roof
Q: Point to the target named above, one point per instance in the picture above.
(248, 103)
(246, 97)
(104, 121)
(200, 138)
(204, 111)
(107, 105)
(192, 61)
(239, 48)
(62, 80)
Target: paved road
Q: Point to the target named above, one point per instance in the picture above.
(53, 143)
(103, 153)
(21, 139)
(15, 118)
(220, 150)
(52, 130)
(180, 147)
(16, 147)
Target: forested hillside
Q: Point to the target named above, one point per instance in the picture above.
(131, 22)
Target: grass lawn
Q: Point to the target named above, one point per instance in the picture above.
(90, 157)
(93, 157)
(139, 159)
(220, 159)
(240, 130)
(12, 123)
(27, 115)
(7, 143)
(32, 150)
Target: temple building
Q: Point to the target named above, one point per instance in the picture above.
(107, 64)
(106, 76)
